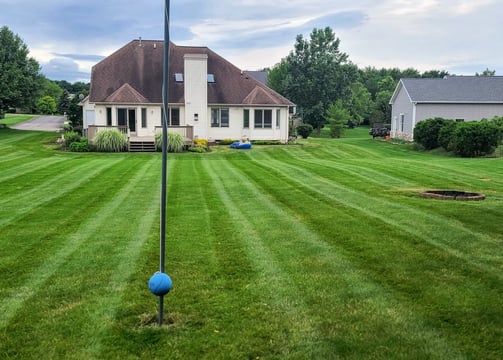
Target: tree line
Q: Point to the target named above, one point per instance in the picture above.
(23, 87)
(328, 88)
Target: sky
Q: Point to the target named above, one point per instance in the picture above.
(67, 37)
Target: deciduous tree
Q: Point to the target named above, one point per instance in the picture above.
(20, 78)
(315, 74)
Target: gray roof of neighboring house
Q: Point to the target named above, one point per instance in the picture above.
(134, 74)
(454, 89)
(261, 76)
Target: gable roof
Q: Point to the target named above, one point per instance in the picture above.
(453, 89)
(126, 94)
(139, 64)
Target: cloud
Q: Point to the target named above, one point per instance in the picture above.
(63, 69)
(71, 35)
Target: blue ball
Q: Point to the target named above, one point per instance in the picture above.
(160, 284)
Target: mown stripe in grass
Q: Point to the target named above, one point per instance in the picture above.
(310, 261)
(15, 155)
(475, 248)
(444, 288)
(90, 228)
(273, 280)
(27, 168)
(41, 195)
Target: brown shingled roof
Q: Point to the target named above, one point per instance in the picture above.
(126, 94)
(134, 73)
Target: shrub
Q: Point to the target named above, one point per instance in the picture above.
(498, 121)
(305, 130)
(267, 142)
(71, 137)
(475, 138)
(80, 146)
(175, 142)
(197, 149)
(227, 141)
(111, 140)
(67, 127)
(201, 143)
(445, 135)
(426, 132)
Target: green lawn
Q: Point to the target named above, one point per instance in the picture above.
(315, 251)
(13, 119)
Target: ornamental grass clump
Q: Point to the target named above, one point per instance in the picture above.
(110, 141)
(175, 142)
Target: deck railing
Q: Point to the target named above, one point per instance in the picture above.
(187, 132)
(92, 130)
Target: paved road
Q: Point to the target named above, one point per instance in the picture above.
(42, 123)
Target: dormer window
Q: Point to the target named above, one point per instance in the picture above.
(211, 78)
(178, 77)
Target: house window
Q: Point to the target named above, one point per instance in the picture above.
(174, 119)
(178, 77)
(173, 116)
(143, 118)
(246, 118)
(127, 117)
(109, 116)
(211, 78)
(278, 118)
(263, 119)
(122, 117)
(219, 117)
(402, 121)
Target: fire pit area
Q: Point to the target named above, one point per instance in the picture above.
(452, 195)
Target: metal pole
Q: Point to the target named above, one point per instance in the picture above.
(164, 175)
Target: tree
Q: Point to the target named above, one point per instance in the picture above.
(20, 78)
(487, 72)
(360, 104)
(317, 74)
(64, 102)
(337, 117)
(382, 111)
(276, 77)
(46, 105)
(435, 74)
(52, 89)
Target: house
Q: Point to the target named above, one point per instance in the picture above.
(209, 98)
(461, 98)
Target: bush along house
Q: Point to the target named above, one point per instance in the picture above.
(209, 98)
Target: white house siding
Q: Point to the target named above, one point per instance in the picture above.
(466, 112)
(87, 109)
(196, 93)
(153, 113)
(236, 129)
(402, 106)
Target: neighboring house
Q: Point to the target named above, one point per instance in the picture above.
(460, 98)
(209, 98)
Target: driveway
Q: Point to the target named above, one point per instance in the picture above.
(42, 123)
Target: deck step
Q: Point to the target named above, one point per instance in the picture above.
(142, 146)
